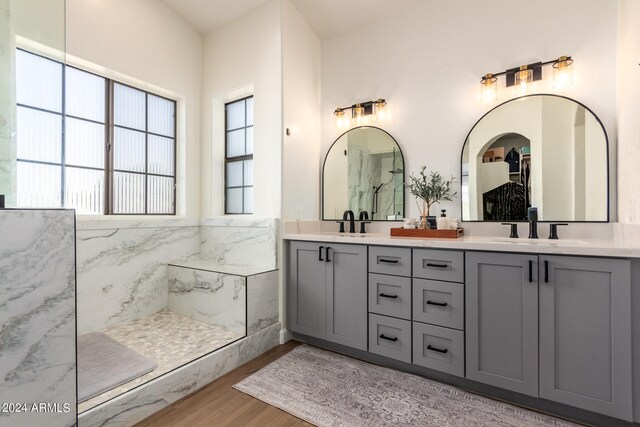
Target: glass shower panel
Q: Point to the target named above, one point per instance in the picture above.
(31, 82)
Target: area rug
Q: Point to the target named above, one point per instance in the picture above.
(328, 389)
(104, 364)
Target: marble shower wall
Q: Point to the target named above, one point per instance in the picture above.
(239, 240)
(123, 264)
(122, 267)
(37, 316)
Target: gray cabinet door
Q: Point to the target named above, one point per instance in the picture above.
(346, 298)
(585, 330)
(306, 289)
(502, 320)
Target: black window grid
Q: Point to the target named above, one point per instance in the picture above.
(235, 159)
(109, 125)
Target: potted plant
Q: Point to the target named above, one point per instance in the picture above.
(431, 189)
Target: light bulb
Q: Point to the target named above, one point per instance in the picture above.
(381, 110)
(562, 73)
(488, 89)
(358, 113)
(522, 80)
(341, 119)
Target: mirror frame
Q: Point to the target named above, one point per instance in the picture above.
(404, 198)
(606, 140)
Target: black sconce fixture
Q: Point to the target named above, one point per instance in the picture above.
(360, 111)
(521, 77)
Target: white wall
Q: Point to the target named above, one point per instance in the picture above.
(427, 62)
(629, 111)
(146, 44)
(241, 58)
(301, 64)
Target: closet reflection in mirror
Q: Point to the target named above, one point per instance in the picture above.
(364, 171)
(542, 151)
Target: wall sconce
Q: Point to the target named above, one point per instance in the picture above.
(562, 73)
(522, 77)
(360, 113)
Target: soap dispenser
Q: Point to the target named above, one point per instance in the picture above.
(442, 223)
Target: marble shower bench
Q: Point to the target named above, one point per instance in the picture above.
(233, 296)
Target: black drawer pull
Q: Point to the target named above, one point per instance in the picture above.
(439, 304)
(546, 271)
(429, 264)
(383, 295)
(327, 252)
(439, 350)
(388, 261)
(530, 271)
(384, 337)
(320, 253)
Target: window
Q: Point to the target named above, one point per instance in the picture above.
(239, 156)
(91, 143)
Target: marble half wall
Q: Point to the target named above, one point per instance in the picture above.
(123, 267)
(239, 240)
(37, 317)
(262, 301)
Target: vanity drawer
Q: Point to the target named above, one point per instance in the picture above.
(390, 295)
(438, 265)
(389, 260)
(390, 337)
(438, 303)
(441, 349)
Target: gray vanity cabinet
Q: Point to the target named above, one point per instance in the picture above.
(502, 320)
(585, 326)
(327, 292)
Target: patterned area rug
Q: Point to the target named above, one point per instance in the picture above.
(328, 389)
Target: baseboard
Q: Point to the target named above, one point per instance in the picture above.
(285, 336)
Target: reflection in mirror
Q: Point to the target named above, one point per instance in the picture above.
(542, 151)
(364, 171)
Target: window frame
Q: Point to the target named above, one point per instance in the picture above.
(235, 159)
(109, 125)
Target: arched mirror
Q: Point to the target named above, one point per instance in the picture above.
(364, 171)
(543, 151)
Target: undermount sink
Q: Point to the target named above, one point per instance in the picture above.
(337, 234)
(541, 242)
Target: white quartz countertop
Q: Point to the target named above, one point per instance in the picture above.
(586, 247)
(235, 270)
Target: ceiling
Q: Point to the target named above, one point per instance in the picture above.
(328, 18)
(333, 18)
(207, 15)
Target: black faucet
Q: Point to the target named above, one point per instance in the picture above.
(348, 215)
(514, 229)
(532, 214)
(533, 228)
(363, 216)
(553, 231)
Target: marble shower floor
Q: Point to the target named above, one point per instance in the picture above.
(171, 340)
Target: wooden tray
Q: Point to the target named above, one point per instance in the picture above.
(427, 233)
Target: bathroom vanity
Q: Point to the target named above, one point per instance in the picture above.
(515, 319)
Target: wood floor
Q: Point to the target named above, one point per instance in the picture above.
(219, 404)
